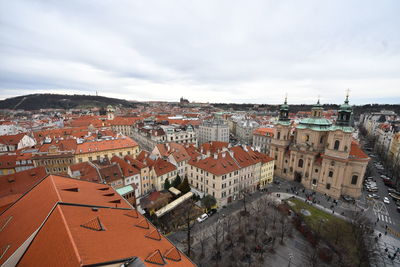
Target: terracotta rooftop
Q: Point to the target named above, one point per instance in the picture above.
(213, 147)
(264, 131)
(31, 210)
(356, 152)
(85, 171)
(13, 186)
(222, 164)
(243, 157)
(162, 167)
(103, 145)
(127, 169)
(80, 232)
(11, 139)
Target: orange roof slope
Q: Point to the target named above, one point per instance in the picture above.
(86, 171)
(162, 167)
(103, 145)
(29, 212)
(127, 169)
(213, 147)
(356, 152)
(15, 185)
(264, 131)
(243, 158)
(11, 139)
(221, 164)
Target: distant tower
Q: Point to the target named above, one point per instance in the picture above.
(110, 112)
(345, 113)
(317, 110)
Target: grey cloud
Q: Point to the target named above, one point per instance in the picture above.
(203, 50)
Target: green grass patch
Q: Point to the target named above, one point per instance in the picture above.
(330, 228)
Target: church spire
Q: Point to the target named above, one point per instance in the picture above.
(284, 111)
(345, 112)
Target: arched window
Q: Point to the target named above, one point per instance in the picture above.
(354, 179)
(279, 135)
(330, 174)
(300, 165)
(321, 140)
(337, 144)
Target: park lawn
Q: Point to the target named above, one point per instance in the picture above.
(327, 229)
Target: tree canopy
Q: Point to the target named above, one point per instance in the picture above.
(208, 201)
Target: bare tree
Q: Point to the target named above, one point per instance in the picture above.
(312, 259)
(362, 229)
(216, 235)
(189, 221)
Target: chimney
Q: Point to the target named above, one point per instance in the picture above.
(215, 155)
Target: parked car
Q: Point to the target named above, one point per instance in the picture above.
(394, 196)
(202, 218)
(211, 212)
(386, 200)
(392, 190)
(348, 198)
(373, 196)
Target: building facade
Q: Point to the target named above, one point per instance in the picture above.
(215, 130)
(262, 139)
(318, 154)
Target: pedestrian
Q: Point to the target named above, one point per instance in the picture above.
(386, 226)
(385, 232)
(377, 219)
(380, 234)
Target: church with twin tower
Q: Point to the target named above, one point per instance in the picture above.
(319, 154)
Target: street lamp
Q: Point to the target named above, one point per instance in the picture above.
(290, 258)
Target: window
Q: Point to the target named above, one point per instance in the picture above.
(279, 135)
(314, 181)
(316, 170)
(321, 140)
(354, 179)
(337, 144)
(328, 186)
(300, 165)
(330, 174)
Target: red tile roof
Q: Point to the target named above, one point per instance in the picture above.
(222, 164)
(125, 120)
(177, 151)
(77, 235)
(264, 131)
(213, 147)
(135, 163)
(127, 169)
(86, 171)
(11, 139)
(13, 186)
(162, 167)
(356, 152)
(103, 145)
(243, 158)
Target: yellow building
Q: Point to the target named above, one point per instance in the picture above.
(96, 150)
(267, 170)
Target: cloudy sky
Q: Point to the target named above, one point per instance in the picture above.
(209, 51)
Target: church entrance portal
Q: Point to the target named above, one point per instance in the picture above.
(297, 177)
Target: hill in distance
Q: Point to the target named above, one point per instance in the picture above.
(56, 101)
